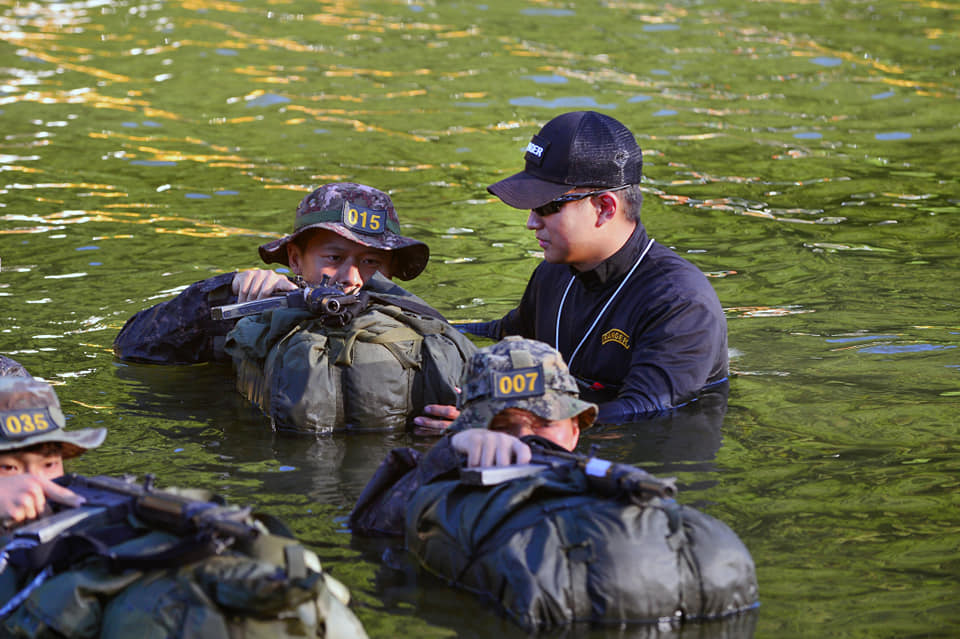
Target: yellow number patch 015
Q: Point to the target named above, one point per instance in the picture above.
(364, 220)
(520, 382)
(18, 424)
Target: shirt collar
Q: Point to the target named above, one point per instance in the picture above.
(617, 265)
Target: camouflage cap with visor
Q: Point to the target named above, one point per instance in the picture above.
(30, 414)
(361, 214)
(519, 373)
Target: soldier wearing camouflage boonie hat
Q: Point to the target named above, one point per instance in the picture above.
(359, 213)
(519, 373)
(30, 414)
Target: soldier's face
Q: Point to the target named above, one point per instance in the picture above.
(346, 263)
(563, 432)
(46, 466)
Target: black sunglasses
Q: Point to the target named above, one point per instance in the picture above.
(554, 206)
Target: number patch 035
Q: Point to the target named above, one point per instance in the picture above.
(520, 382)
(18, 424)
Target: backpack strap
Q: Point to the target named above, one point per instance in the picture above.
(407, 304)
(388, 339)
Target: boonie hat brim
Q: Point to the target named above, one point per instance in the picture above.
(557, 406)
(75, 442)
(410, 256)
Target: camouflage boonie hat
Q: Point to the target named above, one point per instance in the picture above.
(519, 373)
(361, 214)
(11, 367)
(30, 414)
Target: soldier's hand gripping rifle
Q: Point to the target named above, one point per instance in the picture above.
(606, 477)
(329, 302)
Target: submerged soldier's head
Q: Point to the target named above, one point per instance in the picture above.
(32, 438)
(523, 387)
(348, 232)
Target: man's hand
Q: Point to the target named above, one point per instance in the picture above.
(259, 283)
(23, 497)
(490, 448)
(436, 420)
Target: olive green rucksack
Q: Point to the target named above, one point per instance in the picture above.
(375, 373)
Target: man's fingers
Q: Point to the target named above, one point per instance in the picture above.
(271, 283)
(488, 453)
(61, 495)
(504, 453)
(435, 420)
(427, 426)
(28, 508)
(474, 456)
(522, 452)
(21, 497)
(257, 284)
(442, 411)
(240, 285)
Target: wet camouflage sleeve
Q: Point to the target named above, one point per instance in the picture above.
(179, 331)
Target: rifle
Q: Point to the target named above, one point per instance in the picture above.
(110, 500)
(608, 478)
(52, 543)
(331, 303)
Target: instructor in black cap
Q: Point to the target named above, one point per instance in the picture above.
(640, 327)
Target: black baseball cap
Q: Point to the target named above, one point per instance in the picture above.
(580, 148)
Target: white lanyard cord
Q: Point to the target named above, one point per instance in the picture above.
(556, 334)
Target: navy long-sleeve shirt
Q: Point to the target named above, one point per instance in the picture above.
(660, 338)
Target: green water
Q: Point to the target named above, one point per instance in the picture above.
(803, 154)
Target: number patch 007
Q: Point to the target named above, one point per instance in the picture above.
(17, 424)
(520, 382)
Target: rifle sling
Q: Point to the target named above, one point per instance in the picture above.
(406, 304)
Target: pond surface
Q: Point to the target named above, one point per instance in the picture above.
(803, 154)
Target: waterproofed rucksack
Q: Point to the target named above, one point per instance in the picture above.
(375, 373)
(550, 549)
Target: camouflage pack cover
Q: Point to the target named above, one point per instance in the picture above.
(548, 550)
(376, 373)
(512, 362)
(30, 414)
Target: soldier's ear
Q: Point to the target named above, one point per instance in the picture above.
(606, 205)
(294, 258)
